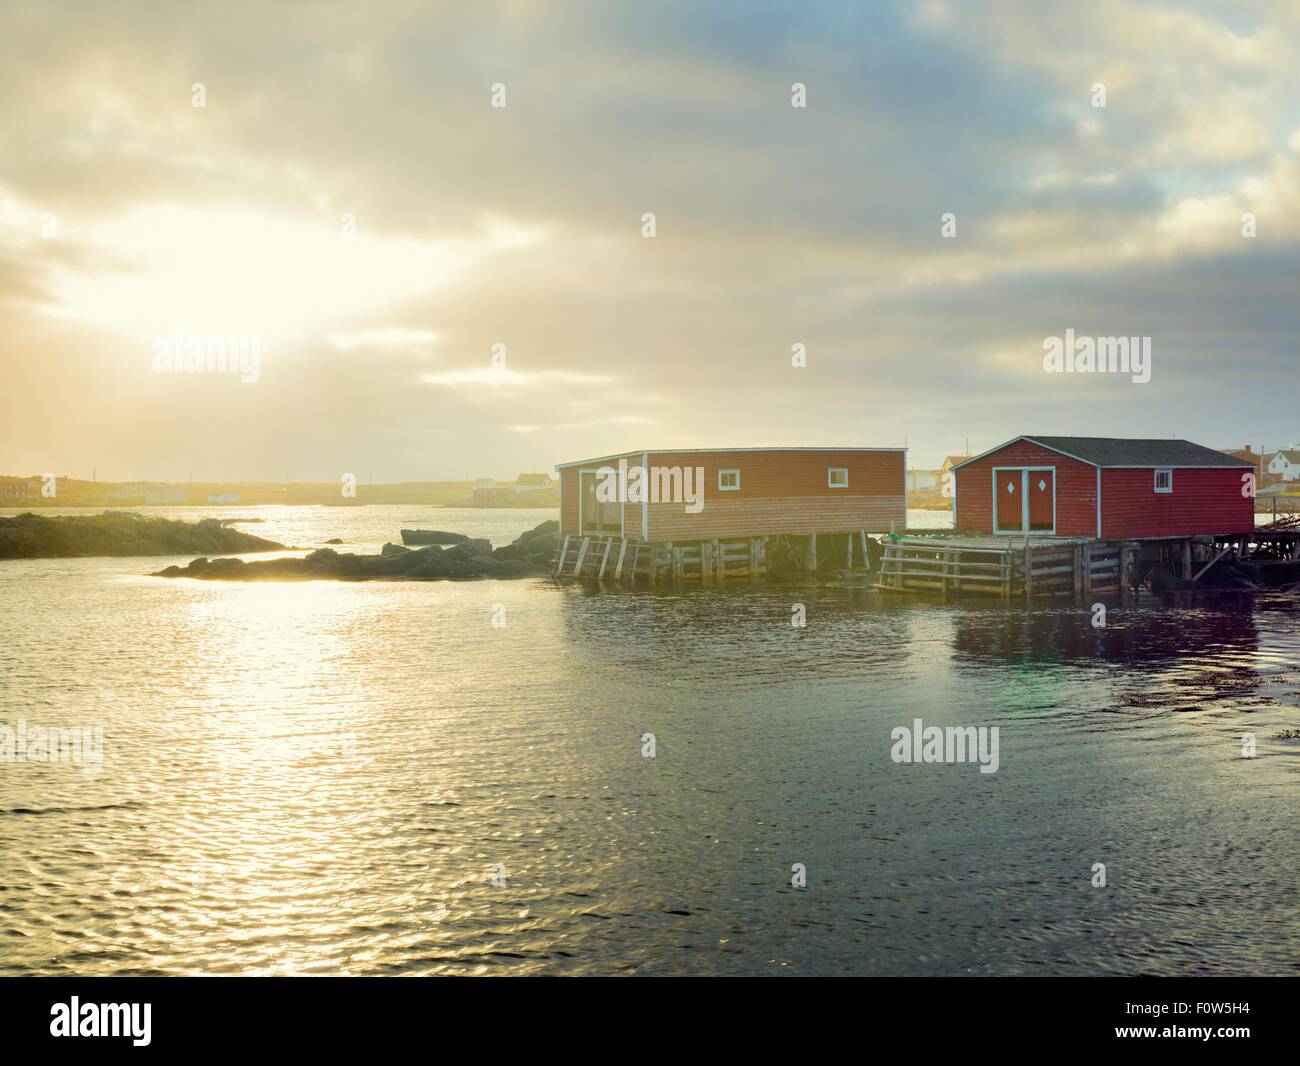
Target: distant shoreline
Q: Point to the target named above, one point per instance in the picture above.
(101, 505)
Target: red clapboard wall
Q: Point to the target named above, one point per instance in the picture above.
(1076, 489)
(782, 490)
(1203, 501)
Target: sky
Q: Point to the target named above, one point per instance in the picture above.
(438, 285)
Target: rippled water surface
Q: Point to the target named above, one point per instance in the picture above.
(322, 777)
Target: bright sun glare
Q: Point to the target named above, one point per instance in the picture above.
(245, 272)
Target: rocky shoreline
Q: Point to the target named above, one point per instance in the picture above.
(33, 536)
(465, 559)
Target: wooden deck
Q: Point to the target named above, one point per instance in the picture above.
(934, 561)
(608, 557)
(1004, 567)
(611, 558)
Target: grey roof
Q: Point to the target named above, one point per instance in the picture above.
(1117, 451)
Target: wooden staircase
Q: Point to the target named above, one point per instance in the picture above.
(601, 557)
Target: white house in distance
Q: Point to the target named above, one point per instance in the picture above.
(1285, 464)
(533, 483)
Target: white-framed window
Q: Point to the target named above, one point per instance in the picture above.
(837, 477)
(729, 480)
(1164, 480)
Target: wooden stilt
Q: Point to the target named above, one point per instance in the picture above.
(1197, 575)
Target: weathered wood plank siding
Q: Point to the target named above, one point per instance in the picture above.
(1076, 489)
(785, 492)
(632, 521)
(1203, 501)
(569, 500)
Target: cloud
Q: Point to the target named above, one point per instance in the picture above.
(520, 226)
(383, 337)
(501, 376)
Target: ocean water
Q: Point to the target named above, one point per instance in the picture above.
(448, 777)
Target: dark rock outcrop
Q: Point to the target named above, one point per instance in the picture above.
(32, 536)
(467, 560)
(537, 545)
(470, 549)
(1162, 579)
(432, 536)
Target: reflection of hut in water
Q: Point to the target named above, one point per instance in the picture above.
(1154, 633)
(1191, 656)
(741, 631)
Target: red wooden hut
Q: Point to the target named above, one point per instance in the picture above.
(1103, 487)
(735, 492)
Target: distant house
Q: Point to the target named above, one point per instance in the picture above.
(1246, 455)
(1285, 464)
(533, 483)
(224, 497)
(19, 488)
(953, 460)
(1103, 487)
(919, 480)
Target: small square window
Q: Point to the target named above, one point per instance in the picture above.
(1164, 481)
(837, 477)
(728, 480)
